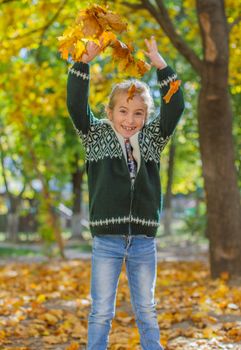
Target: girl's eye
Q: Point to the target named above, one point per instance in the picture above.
(122, 111)
(139, 114)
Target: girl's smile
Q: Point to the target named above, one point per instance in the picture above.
(128, 117)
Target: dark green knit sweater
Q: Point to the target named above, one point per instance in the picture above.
(116, 206)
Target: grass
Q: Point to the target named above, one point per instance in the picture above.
(84, 247)
(30, 245)
(16, 252)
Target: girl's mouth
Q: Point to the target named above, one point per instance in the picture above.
(128, 128)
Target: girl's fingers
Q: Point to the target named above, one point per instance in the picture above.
(148, 44)
(151, 44)
(153, 40)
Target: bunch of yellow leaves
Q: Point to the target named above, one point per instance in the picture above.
(100, 25)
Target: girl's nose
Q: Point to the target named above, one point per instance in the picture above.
(130, 119)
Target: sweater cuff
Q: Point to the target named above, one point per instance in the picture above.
(165, 76)
(81, 70)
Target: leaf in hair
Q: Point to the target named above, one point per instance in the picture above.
(131, 92)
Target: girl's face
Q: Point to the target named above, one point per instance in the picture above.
(128, 117)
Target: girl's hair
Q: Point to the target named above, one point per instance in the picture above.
(141, 89)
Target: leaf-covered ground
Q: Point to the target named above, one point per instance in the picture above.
(46, 305)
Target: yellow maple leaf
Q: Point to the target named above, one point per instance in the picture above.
(79, 50)
(41, 298)
(72, 346)
(91, 27)
(107, 38)
(2, 334)
(131, 92)
(121, 50)
(51, 319)
(142, 67)
(208, 333)
(113, 21)
(52, 339)
(174, 86)
(97, 19)
(98, 24)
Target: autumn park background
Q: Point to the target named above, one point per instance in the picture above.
(45, 243)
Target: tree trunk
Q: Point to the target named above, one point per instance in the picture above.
(14, 201)
(216, 143)
(12, 227)
(215, 129)
(52, 218)
(168, 196)
(13, 216)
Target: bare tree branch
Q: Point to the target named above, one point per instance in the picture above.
(162, 17)
(6, 1)
(133, 6)
(43, 28)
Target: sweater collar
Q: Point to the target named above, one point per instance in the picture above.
(133, 141)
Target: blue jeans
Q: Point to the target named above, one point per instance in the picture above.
(139, 253)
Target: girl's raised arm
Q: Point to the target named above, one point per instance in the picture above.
(172, 109)
(78, 90)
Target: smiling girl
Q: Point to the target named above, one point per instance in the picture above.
(125, 201)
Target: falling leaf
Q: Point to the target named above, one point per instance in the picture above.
(131, 92)
(174, 86)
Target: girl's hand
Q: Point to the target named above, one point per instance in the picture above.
(92, 50)
(152, 52)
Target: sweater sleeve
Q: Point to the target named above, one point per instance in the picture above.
(170, 112)
(161, 128)
(77, 97)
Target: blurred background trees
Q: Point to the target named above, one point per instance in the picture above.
(43, 190)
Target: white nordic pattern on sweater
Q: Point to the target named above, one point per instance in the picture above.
(101, 142)
(167, 81)
(79, 74)
(124, 220)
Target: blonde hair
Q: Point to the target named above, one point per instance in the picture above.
(141, 89)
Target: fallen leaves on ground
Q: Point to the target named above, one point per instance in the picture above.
(46, 306)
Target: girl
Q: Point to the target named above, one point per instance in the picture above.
(123, 163)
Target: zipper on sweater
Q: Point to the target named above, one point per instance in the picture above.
(130, 212)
